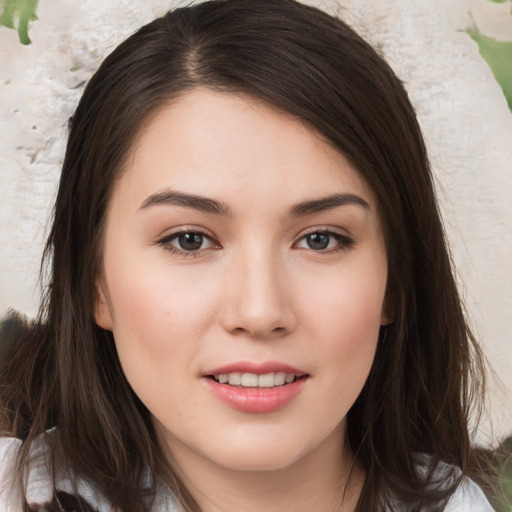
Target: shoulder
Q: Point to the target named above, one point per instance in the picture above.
(72, 494)
(8, 451)
(67, 494)
(468, 498)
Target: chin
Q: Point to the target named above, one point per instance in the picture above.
(260, 462)
(261, 455)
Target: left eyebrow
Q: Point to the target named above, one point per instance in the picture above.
(327, 203)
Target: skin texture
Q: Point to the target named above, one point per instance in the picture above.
(254, 291)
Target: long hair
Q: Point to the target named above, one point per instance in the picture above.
(63, 371)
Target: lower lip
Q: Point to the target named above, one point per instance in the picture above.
(256, 400)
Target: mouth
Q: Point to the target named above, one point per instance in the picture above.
(254, 380)
(252, 387)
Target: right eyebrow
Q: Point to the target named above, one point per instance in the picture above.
(172, 198)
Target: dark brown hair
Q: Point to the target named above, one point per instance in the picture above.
(415, 407)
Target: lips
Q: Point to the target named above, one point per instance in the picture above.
(256, 388)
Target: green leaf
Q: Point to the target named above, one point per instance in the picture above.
(505, 487)
(22, 10)
(498, 55)
(499, 1)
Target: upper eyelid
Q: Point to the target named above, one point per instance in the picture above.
(323, 229)
(185, 229)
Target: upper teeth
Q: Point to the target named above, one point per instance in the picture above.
(267, 380)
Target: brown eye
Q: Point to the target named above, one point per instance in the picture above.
(189, 241)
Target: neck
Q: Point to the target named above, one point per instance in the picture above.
(327, 479)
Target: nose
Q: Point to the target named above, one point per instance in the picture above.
(258, 300)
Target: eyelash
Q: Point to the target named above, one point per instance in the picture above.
(344, 242)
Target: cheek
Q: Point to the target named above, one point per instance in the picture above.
(345, 320)
(159, 299)
(349, 305)
(160, 315)
(156, 332)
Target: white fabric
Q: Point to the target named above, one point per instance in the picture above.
(468, 497)
(39, 494)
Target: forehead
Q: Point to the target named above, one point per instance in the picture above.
(214, 143)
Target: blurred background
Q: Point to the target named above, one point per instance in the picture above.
(455, 58)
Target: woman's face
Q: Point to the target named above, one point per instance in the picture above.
(244, 276)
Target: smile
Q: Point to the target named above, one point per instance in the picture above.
(252, 380)
(256, 387)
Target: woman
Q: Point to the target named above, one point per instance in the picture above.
(251, 304)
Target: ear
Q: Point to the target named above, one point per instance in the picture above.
(102, 313)
(386, 319)
(388, 308)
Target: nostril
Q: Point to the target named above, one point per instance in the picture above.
(259, 332)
